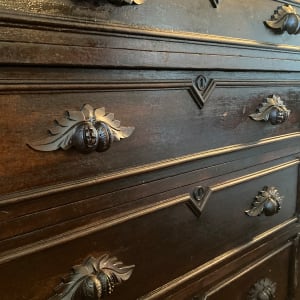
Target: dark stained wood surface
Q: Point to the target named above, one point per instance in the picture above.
(152, 243)
(155, 236)
(143, 63)
(42, 35)
(223, 121)
(236, 18)
(274, 267)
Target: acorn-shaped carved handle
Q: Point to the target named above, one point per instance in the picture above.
(267, 202)
(86, 130)
(273, 110)
(94, 279)
(264, 289)
(285, 18)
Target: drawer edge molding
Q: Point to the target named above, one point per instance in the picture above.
(77, 184)
(92, 228)
(216, 83)
(86, 130)
(95, 278)
(180, 281)
(200, 88)
(29, 19)
(267, 202)
(246, 270)
(293, 265)
(197, 203)
(192, 86)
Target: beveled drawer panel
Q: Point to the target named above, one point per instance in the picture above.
(202, 121)
(267, 277)
(194, 17)
(256, 201)
(146, 237)
(224, 228)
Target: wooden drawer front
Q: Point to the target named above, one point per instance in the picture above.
(268, 277)
(240, 201)
(158, 136)
(163, 241)
(190, 17)
(238, 105)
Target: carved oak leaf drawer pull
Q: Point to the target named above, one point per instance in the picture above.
(264, 289)
(273, 110)
(94, 279)
(285, 18)
(87, 130)
(268, 201)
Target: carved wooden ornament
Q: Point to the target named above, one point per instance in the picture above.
(94, 279)
(87, 130)
(264, 289)
(285, 18)
(273, 110)
(268, 201)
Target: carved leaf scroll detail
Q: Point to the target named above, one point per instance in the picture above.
(285, 18)
(95, 279)
(263, 289)
(273, 110)
(268, 201)
(87, 130)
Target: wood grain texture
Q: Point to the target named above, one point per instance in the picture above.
(190, 16)
(274, 265)
(41, 39)
(187, 76)
(147, 110)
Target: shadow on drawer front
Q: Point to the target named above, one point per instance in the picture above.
(163, 242)
(239, 19)
(200, 122)
(266, 278)
(238, 209)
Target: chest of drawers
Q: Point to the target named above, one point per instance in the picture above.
(193, 194)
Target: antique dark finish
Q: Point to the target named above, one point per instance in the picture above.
(268, 201)
(285, 18)
(87, 130)
(273, 110)
(187, 78)
(264, 289)
(95, 279)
